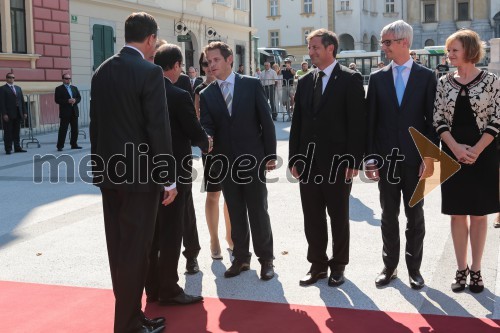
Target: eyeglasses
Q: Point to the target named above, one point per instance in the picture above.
(11, 77)
(388, 42)
(67, 78)
(413, 53)
(204, 64)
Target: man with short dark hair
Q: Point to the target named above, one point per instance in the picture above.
(68, 97)
(243, 132)
(128, 110)
(161, 284)
(329, 120)
(13, 113)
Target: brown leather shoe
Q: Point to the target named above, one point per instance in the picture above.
(386, 276)
(236, 268)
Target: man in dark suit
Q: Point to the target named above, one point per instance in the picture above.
(131, 149)
(235, 112)
(161, 283)
(194, 79)
(400, 96)
(68, 97)
(329, 123)
(13, 113)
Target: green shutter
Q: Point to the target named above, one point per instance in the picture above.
(109, 43)
(103, 41)
(97, 38)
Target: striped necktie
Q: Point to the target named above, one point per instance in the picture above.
(226, 93)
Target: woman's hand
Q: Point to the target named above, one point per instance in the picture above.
(464, 153)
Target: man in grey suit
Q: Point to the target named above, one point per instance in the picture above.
(235, 112)
(131, 145)
(400, 96)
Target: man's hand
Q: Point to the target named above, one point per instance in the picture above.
(350, 173)
(169, 196)
(371, 172)
(426, 168)
(294, 172)
(271, 165)
(210, 144)
(5, 117)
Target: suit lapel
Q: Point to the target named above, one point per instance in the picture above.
(389, 83)
(410, 85)
(217, 96)
(238, 91)
(328, 91)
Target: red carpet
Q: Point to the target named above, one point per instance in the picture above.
(26, 307)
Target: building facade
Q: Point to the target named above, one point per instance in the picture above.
(97, 29)
(434, 20)
(35, 42)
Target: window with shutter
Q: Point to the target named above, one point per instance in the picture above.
(103, 42)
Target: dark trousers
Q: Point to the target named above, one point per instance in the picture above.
(247, 206)
(129, 221)
(270, 95)
(63, 130)
(163, 275)
(390, 200)
(190, 234)
(318, 199)
(11, 130)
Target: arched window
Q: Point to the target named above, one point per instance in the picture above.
(430, 42)
(346, 42)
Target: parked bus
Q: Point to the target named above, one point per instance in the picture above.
(273, 55)
(430, 56)
(366, 62)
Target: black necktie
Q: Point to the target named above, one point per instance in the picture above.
(318, 91)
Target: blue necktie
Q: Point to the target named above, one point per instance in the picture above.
(68, 88)
(400, 84)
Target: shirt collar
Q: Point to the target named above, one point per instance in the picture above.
(407, 64)
(135, 48)
(229, 79)
(328, 70)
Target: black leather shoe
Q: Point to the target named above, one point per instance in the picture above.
(416, 279)
(386, 276)
(19, 150)
(181, 299)
(154, 322)
(76, 147)
(147, 329)
(59, 149)
(267, 270)
(336, 278)
(8, 152)
(236, 268)
(192, 266)
(312, 277)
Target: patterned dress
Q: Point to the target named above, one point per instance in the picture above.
(468, 111)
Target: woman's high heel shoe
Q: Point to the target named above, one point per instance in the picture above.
(460, 280)
(476, 282)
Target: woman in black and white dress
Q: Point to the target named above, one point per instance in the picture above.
(467, 118)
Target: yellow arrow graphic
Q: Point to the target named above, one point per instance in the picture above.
(446, 168)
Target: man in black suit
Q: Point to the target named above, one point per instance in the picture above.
(13, 113)
(235, 112)
(131, 153)
(329, 123)
(68, 97)
(161, 283)
(194, 79)
(400, 95)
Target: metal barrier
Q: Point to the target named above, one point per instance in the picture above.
(43, 116)
(280, 96)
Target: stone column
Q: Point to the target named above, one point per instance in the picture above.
(480, 22)
(494, 65)
(415, 20)
(445, 18)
